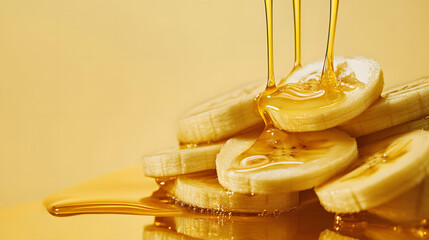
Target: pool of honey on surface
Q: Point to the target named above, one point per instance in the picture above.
(138, 195)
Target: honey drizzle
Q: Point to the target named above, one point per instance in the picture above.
(328, 78)
(269, 148)
(297, 34)
(271, 83)
(271, 138)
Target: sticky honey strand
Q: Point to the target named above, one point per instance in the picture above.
(269, 148)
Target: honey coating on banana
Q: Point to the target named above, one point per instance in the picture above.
(276, 148)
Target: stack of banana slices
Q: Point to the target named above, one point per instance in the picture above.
(367, 152)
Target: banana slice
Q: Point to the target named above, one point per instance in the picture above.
(306, 160)
(398, 129)
(384, 170)
(182, 161)
(408, 208)
(281, 227)
(221, 117)
(396, 106)
(300, 106)
(202, 190)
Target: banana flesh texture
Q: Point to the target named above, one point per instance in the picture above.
(399, 105)
(384, 170)
(310, 161)
(413, 205)
(203, 191)
(182, 161)
(221, 117)
(401, 128)
(360, 81)
(409, 208)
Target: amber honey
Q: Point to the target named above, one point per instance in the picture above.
(123, 192)
(276, 148)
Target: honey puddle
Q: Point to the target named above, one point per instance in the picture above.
(125, 192)
(129, 192)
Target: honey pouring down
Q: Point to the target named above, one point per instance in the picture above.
(275, 147)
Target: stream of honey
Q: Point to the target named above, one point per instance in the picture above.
(129, 192)
(275, 147)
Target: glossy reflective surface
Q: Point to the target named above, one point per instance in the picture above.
(309, 221)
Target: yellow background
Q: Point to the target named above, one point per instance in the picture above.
(87, 87)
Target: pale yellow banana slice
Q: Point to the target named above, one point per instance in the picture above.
(399, 105)
(305, 160)
(221, 117)
(258, 228)
(413, 205)
(181, 161)
(384, 170)
(398, 129)
(409, 208)
(202, 190)
(295, 110)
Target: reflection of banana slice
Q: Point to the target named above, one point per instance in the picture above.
(221, 117)
(258, 228)
(312, 220)
(410, 207)
(330, 235)
(384, 170)
(402, 128)
(378, 231)
(300, 108)
(154, 233)
(202, 190)
(396, 106)
(182, 161)
(394, 233)
(304, 161)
